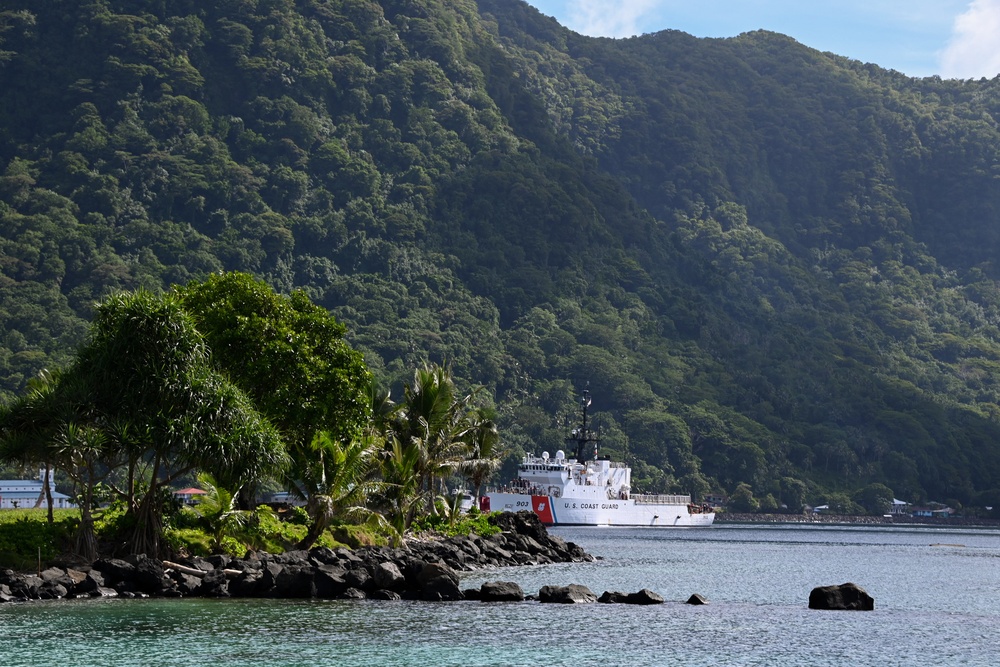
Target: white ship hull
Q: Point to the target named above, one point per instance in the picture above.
(589, 491)
(556, 511)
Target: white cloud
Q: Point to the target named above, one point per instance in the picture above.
(974, 48)
(609, 18)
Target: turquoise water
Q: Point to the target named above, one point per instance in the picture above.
(937, 602)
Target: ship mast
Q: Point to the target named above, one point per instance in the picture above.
(581, 437)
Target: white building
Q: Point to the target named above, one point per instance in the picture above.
(26, 493)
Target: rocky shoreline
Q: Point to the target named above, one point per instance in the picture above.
(424, 570)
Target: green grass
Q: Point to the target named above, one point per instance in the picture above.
(39, 514)
(26, 536)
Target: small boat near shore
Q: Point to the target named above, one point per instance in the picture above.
(589, 491)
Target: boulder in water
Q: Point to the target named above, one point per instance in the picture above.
(843, 597)
(501, 591)
(572, 594)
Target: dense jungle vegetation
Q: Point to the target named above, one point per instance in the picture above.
(773, 266)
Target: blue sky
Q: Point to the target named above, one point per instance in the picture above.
(950, 38)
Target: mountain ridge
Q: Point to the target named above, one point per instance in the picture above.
(773, 265)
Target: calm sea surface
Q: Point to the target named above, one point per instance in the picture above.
(937, 602)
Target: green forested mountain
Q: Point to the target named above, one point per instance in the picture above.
(774, 266)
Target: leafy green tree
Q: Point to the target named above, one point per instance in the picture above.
(793, 494)
(742, 500)
(768, 504)
(841, 503)
(694, 484)
(285, 352)
(876, 499)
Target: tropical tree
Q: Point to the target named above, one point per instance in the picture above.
(85, 454)
(28, 425)
(742, 500)
(285, 352)
(486, 453)
(399, 495)
(144, 363)
(433, 423)
(335, 479)
(218, 512)
(875, 498)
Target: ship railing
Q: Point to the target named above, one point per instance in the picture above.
(660, 499)
(520, 490)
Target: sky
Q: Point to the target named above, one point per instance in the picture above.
(950, 38)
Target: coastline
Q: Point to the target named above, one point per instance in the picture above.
(422, 570)
(852, 520)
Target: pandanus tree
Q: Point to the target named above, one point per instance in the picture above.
(51, 424)
(28, 426)
(145, 363)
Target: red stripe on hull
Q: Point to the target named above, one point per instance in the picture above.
(543, 508)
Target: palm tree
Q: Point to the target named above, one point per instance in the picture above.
(335, 479)
(218, 511)
(486, 455)
(432, 422)
(400, 492)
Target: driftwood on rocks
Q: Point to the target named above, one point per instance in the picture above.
(197, 572)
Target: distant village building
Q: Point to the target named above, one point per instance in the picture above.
(27, 493)
(937, 511)
(715, 499)
(187, 496)
(287, 498)
(899, 507)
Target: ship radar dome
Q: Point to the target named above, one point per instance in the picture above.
(560, 455)
(545, 455)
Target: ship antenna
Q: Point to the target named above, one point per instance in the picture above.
(583, 435)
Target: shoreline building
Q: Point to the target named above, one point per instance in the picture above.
(28, 493)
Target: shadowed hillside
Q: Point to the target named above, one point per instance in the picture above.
(774, 266)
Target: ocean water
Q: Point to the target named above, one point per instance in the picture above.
(937, 602)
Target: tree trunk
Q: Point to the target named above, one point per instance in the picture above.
(319, 525)
(148, 522)
(48, 491)
(86, 538)
(148, 526)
